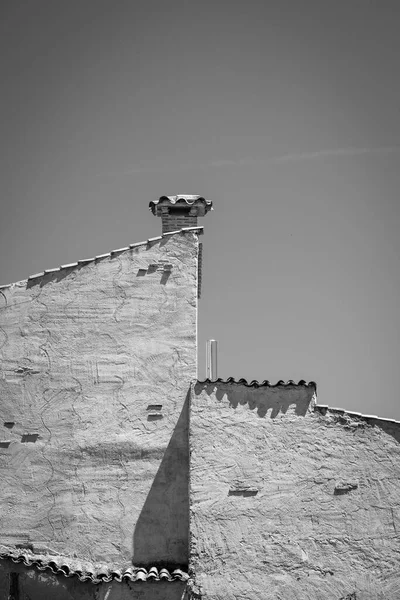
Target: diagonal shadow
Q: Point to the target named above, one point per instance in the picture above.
(161, 536)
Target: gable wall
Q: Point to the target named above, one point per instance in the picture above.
(95, 365)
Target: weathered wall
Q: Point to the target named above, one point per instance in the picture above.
(288, 503)
(30, 584)
(96, 361)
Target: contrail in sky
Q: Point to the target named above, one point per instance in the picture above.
(350, 151)
(282, 159)
(300, 156)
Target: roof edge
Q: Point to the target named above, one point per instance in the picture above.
(324, 408)
(84, 571)
(84, 261)
(256, 384)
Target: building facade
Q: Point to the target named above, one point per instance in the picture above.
(291, 500)
(125, 477)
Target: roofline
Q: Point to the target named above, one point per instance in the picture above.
(84, 571)
(324, 408)
(83, 261)
(256, 384)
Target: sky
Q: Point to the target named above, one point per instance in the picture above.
(285, 114)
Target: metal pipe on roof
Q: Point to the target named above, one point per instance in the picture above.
(211, 360)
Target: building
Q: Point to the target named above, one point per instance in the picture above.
(125, 477)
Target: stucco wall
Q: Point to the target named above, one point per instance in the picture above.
(96, 362)
(289, 503)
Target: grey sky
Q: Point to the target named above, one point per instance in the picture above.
(285, 114)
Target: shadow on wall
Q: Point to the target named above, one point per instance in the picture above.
(161, 536)
(276, 399)
(392, 429)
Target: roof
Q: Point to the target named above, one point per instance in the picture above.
(84, 261)
(265, 383)
(95, 573)
(187, 199)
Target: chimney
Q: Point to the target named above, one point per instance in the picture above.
(180, 211)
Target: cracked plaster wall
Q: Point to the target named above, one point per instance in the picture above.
(95, 365)
(290, 504)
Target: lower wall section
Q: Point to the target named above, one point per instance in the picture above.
(288, 503)
(19, 583)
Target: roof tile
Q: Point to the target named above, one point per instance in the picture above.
(88, 571)
(265, 383)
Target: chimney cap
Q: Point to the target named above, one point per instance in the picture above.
(181, 199)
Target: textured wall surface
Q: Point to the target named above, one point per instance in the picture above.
(288, 503)
(96, 362)
(29, 584)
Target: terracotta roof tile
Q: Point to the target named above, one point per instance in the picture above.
(105, 255)
(84, 260)
(119, 250)
(181, 198)
(51, 270)
(90, 572)
(265, 383)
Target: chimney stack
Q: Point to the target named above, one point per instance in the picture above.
(180, 211)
